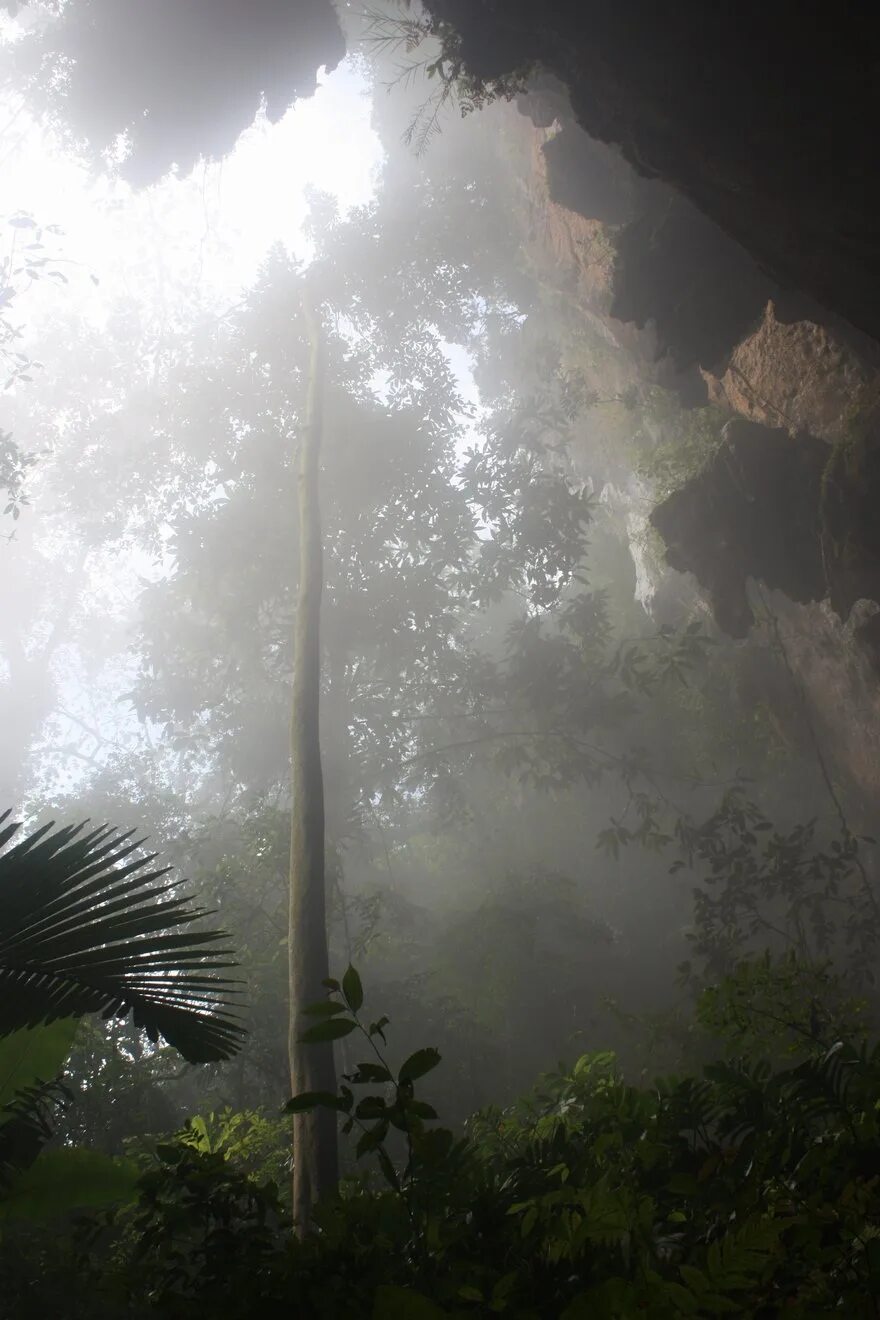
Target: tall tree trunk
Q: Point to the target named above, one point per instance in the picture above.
(315, 1163)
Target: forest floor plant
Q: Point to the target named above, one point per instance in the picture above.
(751, 1190)
(86, 928)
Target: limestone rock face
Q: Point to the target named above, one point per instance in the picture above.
(790, 500)
(800, 375)
(784, 518)
(675, 268)
(569, 178)
(836, 671)
(591, 178)
(753, 512)
(789, 511)
(763, 116)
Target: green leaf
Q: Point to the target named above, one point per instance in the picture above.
(434, 1146)
(86, 929)
(371, 1139)
(326, 1008)
(372, 1106)
(423, 1061)
(504, 1286)
(32, 1055)
(64, 1180)
(330, 983)
(718, 1305)
(419, 1109)
(392, 1303)
(398, 1118)
(352, 989)
(614, 1297)
(684, 1300)
(695, 1279)
(370, 1072)
(307, 1100)
(334, 1029)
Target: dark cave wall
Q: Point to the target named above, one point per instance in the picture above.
(746, 238)
(765, 117)
(752, 512)
(699, 288)
(674, 268)
(788, 511)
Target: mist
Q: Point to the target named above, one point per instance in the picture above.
(440, 534)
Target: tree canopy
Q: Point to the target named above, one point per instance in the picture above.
(590, 946)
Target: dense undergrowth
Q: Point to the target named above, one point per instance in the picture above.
(749, 1188)
(520, 757)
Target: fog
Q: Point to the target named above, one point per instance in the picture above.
(565, 809)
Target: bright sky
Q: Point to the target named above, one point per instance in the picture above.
(196, 239)
(209, 231)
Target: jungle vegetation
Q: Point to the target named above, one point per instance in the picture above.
(531, 970)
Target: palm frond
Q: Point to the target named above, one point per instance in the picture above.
(26, 1124)
(85, 928)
